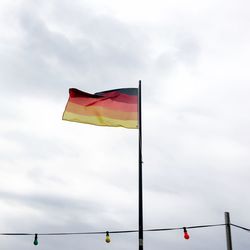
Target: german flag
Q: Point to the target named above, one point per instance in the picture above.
(113, 108)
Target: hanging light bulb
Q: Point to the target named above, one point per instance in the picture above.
(35, 240)
(107, 237)
(186, 235)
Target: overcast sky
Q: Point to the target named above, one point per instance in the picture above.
(57, 176)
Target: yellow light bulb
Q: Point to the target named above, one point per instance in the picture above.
(107, 237)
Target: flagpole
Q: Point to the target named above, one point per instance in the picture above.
(140, 171)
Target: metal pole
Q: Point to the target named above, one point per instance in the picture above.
(140, 171)
(228, 231)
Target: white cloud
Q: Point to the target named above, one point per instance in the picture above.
(192, 57)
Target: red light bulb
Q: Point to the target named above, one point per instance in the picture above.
(186, 235)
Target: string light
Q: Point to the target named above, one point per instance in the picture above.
(186, 235)
(35, 240)
(107, 233)
(107, 237)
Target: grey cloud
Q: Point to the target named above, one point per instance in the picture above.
(105, 51)
(188, 47)
(49, 147)
(56, 203)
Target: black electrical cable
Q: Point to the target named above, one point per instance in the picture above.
(115, 232)
(181, 228)
(244, 228)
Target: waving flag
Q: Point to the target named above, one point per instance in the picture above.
(114, 108)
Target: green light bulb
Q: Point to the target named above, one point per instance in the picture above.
(35, 240)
